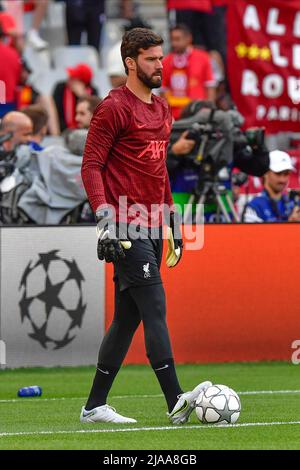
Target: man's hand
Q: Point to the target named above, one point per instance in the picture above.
(183, 146)
(110, 246)
(77, 87)
(175, 243)
(295, 215)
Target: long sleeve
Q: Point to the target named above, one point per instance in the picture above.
(103, 131)
(168, 194)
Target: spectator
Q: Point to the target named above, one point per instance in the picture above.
(10, 72)
(10, 28)
(84, 111)
(39, 8)
(39, 118)
(26, 93)
(67, 94)
(127, 8)
(273, 205)
(21, 128)
(85, 15)
(205, 19)
(187, 73)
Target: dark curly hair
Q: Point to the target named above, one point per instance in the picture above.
(136, 39)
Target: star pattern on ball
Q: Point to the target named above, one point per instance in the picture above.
(24, 306)
(50, 296)
(50, 304)
(39, 334)
(219, 404)
(77, 314)
(63, 342)
(46, 258)
(25, 275)
(74, 273)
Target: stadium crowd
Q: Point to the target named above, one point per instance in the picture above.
(47, 100)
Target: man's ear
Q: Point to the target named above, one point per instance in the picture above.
(131, 65)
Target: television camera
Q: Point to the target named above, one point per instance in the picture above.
(220, 142)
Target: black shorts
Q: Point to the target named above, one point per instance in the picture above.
(141, 264)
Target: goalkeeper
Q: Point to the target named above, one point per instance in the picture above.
(124, 167)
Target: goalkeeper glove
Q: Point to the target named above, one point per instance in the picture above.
(110, 247)
(175, 244)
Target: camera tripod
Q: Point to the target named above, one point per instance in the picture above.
(210, 190)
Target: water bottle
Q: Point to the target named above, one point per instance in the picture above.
(32, 391)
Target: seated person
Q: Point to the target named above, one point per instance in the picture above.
(39, 118)
(67, 94)
(84, 111)
(273, 205)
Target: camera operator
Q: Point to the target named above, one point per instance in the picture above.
(20, 126)
(273, 205)
(183, 175)
(206, 143)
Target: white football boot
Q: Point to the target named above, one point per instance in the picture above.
(103, 414)
(186, 404)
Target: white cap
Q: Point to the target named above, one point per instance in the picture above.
(280, 161)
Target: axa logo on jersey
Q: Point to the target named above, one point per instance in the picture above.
(155, 150)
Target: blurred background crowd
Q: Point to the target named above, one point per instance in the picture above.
(60, 58)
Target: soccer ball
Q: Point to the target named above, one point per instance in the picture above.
(218, 404)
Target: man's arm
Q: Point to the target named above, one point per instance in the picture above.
(168, 194)
(210, 81)
(211, 93)
(104, 128)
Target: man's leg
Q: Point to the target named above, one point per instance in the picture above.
(75, 23)
(114, 347)
(151, 304)
(94, 25)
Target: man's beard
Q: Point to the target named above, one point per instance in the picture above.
(148, 81)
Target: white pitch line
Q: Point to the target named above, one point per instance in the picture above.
(154, 428)
(268, 392)
(120, 397)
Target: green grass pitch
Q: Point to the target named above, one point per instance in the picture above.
(267, 421)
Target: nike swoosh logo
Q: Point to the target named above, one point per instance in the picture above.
(140, 126)
(86, 414)
(104, 371)
(164, 367)
(182, 408)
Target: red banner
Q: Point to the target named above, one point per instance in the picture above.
(264, 62)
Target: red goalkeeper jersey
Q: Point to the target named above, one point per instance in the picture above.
(125, 154)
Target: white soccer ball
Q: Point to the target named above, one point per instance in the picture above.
(218, 404)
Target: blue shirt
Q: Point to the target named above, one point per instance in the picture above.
(268, 209)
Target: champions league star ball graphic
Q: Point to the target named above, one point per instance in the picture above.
(218, 404)
(51, 301)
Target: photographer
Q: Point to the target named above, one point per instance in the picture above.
(273, 205)
(183, 174)
(184, 179)
(20, 127)
(15, 158)
(205, 144)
